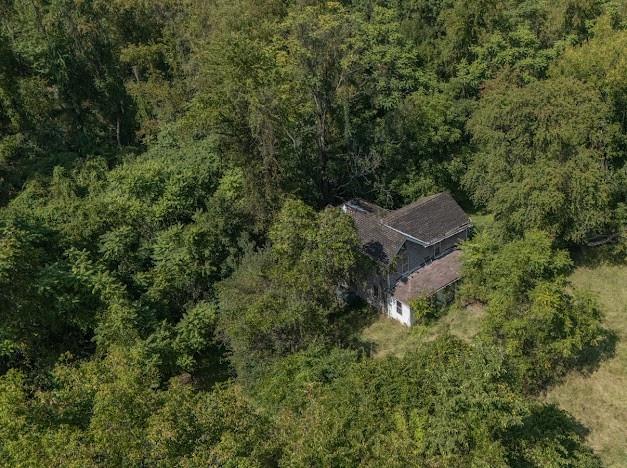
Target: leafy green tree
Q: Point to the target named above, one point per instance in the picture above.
(44, 307)
(234, 434)
(194, 334)
(444, 404)
(24, 439)
(465, 24)
(288, 385)
(112, 412)
(546, 159)
(510, 268)
(599, 62)
(281, 300)
(110, 256)
(551, 332)
(154, 245)
(71, 80)
(543, 328)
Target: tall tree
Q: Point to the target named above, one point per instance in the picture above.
(546, 158)
(542, 327)
(282, 299)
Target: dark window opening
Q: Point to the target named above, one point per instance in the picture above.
(399, 308)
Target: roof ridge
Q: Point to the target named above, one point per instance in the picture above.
(428, 219)
(416, 203)
(425, 221)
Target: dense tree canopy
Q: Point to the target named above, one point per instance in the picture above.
(172, 264)
(548, 152)
(543, 327)
(282, 299)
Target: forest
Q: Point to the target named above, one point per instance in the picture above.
(171, 249)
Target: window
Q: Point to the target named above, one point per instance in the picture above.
(375, 291)
(399, 308)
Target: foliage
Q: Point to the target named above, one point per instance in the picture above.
(547, 336)
(282, 299)
(112, 412)
(542, 327)
(443, 404)
(44, 305)
(288, 384)
(546, 156)
(171, 270)
(110, 256)
(423, 308)
(510, 269)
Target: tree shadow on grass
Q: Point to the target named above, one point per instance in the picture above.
(551, 427)
(593, 257)
(349, 324)
(586, 362)
(592, 357)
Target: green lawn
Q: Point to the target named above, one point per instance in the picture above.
(387, 336)
(599, 401)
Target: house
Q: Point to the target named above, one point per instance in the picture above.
(415, 249)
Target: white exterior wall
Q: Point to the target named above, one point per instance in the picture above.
(405, 318)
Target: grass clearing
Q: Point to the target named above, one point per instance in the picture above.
(389, 337)
(599, 400)
(463, 322)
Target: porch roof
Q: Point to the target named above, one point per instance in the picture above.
(430, 278)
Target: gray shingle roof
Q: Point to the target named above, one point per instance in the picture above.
(378, 241)
(428, 219)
